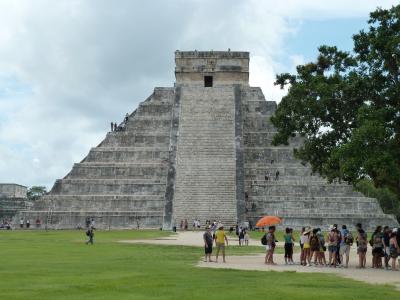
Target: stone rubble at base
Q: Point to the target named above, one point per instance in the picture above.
(195, 152)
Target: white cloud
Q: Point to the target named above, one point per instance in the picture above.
(86, 63)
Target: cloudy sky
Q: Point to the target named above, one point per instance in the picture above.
(68, 68)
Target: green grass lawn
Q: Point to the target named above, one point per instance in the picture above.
(58, 265)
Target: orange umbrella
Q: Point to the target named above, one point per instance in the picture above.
(268, 221)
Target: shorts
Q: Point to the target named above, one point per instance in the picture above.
(208, 249)
(221, 246)
(288, 250)
(241, 241)
(393, 252)
(269, 248)
(315, 248)
(344, 249)
(378, 251)
(306, 246)
(332, 248)
(361, 249)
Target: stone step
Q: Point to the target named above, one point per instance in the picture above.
(291, 172)
(111, 204)
(282, 180)
(149, 125)
(334, 208)
(310, 191)
(150, 163)
(123, 155)
(315, 199)
(103, 186)
(125, 139)
(146, 172)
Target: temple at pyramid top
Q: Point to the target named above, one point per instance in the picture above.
(211, 68)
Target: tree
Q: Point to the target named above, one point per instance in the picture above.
(347, 106)
(35, 192)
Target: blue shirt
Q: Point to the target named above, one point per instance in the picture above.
(344, 233)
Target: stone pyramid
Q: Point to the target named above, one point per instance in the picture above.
(200, 150)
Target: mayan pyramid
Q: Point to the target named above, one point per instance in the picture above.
(200, 150)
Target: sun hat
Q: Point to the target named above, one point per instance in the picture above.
(307, 230)
(331, 227)
(394, 229)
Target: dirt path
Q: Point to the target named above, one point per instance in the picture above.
(256, 262)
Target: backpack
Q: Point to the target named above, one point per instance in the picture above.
(371, 241)
(349, 239)
(264, 239)
(314, 242)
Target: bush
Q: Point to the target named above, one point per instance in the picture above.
(386, 198)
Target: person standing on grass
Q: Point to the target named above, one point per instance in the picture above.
(362, 246)
(339, 238)
(386, 246)
(377, 248)
(220, 240)
(332, 245)
(345, 244)
(322, 248)
(241, 237)
(314, 246)
(288, 237)
(394, 249)
(90, 234)
(301, 242)
(208, 244)
(270, 247)
(21, 223)
(306, 247)
(246, 238)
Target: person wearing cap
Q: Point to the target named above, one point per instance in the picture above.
(208, 244)
(220, 240)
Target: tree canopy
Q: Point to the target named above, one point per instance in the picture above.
(347, 106)
(35, 192)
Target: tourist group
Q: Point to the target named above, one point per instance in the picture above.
(337, 243)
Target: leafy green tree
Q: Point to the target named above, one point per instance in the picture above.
(387, 199)
(35, 192)
(347, 106)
